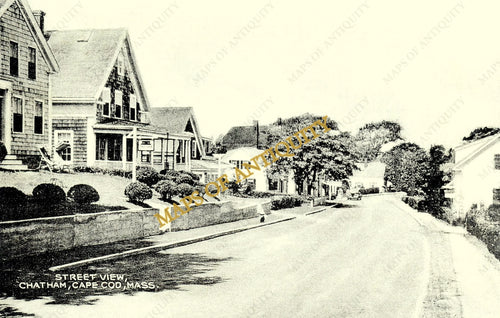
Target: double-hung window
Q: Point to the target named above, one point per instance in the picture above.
(32, 64)
(18, 111)
(38, 125)
(14, 59)
(118, 103)
(497, 161)
(133, 107)
(106, 100)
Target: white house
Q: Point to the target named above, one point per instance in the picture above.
(369, 175)
(238, 156)
(476, 177)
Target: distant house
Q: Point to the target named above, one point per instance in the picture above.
(99, 98)
(369, 175)
(186, 143)
(476, 177)
(26, 66)
(260, 180)
(236, 157)
(245, 136)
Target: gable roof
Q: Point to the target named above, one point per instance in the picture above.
(483, 144)
(175, 120)
(35, 30)
(86, 58)
(244, 136)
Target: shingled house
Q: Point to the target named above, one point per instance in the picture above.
(99, 98)
(26, 67)
(185, 145)
(245, 136)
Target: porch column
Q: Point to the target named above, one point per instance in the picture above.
(134, 155)
(124, 151)
(6, 123)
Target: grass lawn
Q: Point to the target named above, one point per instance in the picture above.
(110, 188)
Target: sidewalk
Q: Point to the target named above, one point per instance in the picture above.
(475, 269)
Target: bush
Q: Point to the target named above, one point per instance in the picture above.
(166, 188)
(494, 212)
(184, 189)
(97, 170)
(49, 193)
(170, 174)
(3, 151)
(261, 194)
(148, 176)
(138, 192)
(477, 224)
(286, 202)
(369, 190)
(83, 194)
(10, 196)
(416, 203)
(185, 178)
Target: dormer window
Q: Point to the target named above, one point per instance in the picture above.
(133, 107)
(121, 65)
(118, 103)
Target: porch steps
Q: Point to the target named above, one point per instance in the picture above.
(11, 163)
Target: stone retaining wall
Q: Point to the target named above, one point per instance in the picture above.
(216, 213)
(34, 236)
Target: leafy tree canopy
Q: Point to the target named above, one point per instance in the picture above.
(372, 136)
(481, 132)
(407, 167)
(329, 156)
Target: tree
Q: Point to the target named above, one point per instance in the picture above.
(481, 132)
(434, 194)
(407, 168)
(372, 136)
(329, 156)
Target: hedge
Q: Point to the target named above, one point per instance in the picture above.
(480, 223)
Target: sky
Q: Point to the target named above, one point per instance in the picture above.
(432, 66)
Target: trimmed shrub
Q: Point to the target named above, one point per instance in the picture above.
(49, 193)
(184, 189)
(166, 188)
(10, 196)
(148, 176)
(83, 194)
(369, 190)
(286, 202)
(138, 192)
(185, 178)
(3, 151)
(170, 174)
(261, 194)
(488, 231)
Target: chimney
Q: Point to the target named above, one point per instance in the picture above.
(40, 19)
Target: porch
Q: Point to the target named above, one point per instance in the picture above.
(123, 147)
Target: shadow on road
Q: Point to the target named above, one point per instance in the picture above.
(152, 272)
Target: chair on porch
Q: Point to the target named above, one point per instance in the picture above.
(46, 161)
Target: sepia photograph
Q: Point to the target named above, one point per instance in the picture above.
(268, 158)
